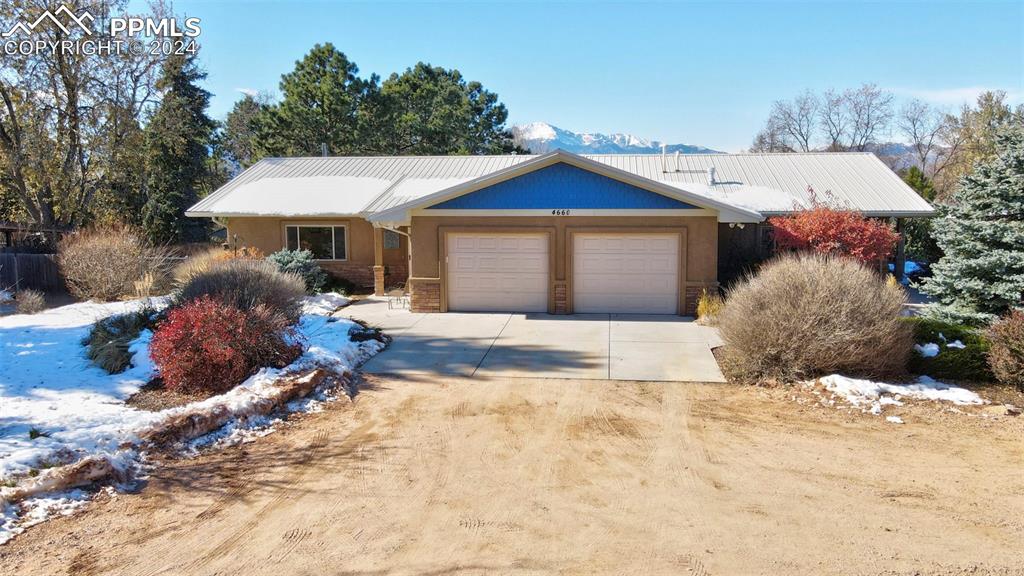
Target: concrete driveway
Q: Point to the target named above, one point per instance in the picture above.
(581, 346)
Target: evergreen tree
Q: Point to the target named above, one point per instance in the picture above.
(982, 235)
(238, 138)
(433, 110)
(320, 105)
(177, 148)
(920, 240)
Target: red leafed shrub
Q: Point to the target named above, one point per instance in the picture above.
(1006, 355)
(206, 346)
(828, 230)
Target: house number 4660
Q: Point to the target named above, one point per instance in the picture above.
(559, 212)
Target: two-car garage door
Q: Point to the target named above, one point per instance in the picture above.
(611, 272)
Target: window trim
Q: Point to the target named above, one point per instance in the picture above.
(333, 227)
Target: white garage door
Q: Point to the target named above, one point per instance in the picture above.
(626, 273)
(498, 272)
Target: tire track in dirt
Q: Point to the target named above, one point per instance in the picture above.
(179, 558)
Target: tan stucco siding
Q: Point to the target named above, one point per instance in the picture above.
(268, 235)
(701, 238)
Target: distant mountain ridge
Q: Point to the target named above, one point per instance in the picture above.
(541, 137)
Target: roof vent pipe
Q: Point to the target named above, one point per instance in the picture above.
(664, 167)
(711, 175)
(679, 167)
(323, 149)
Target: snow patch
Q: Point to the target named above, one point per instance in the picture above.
(324, 304)
(871, 396)
(928, 350)
(16, 518)
(956, 344)
(894, 419)
(57, 407)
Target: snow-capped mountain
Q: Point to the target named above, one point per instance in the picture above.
(541, 137)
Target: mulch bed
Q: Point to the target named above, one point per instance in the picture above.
(154, 397)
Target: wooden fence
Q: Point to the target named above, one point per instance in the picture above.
(36, 271)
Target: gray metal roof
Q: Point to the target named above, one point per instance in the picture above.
(769, 183)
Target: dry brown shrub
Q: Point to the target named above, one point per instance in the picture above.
(204, 261)
(30, 301)
(1006, 356)
(805, 315)
(246, 284)
(111, 262)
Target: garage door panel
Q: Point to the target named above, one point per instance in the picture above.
(626, 273)
(498, 272)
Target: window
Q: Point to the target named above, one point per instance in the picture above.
(325, 242)
(390, 239)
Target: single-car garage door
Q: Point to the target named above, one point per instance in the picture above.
(498, 272)
(625, 273)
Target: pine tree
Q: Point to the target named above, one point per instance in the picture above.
(920, 239)
(177, 146)
(981, 233)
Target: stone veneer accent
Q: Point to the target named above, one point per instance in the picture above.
(425, 297)
(363, 275)
(378, 280)
(693, 295)
(561, 298)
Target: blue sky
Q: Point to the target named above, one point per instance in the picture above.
(699, 73)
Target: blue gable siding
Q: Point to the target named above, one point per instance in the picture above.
(562, 186)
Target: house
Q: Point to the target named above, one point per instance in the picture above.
(559, 233)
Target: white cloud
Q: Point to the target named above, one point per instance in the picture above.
(957, 96)
(248, 91)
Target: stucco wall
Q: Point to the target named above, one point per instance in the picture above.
(268, 235)
(701, 257)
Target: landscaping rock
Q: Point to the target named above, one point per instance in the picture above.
(1001, 410)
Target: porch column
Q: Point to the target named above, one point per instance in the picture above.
(901, 250)
(378, 261)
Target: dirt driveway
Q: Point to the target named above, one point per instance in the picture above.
(524, 476)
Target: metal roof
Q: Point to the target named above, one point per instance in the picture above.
(762, 182)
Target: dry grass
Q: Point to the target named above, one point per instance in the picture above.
(806, 315)
(204, 261)
(110, 263)
(30, 301)
(709, 306)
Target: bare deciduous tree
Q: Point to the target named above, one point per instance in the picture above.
(835, 119)
(797, 119)
(67, 118)
(870, 111)
(771, 138)
(934, 134)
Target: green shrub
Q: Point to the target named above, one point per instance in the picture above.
(340, 285)
(247, 284)
(804, 315)
(30, 301)
(301, 262)
(968, 363)
(109, 339)
(1006, 357)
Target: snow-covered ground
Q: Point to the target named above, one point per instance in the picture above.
(872, 396)
(56, 406)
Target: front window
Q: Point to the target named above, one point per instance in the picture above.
(391, 240)
(325, 242)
